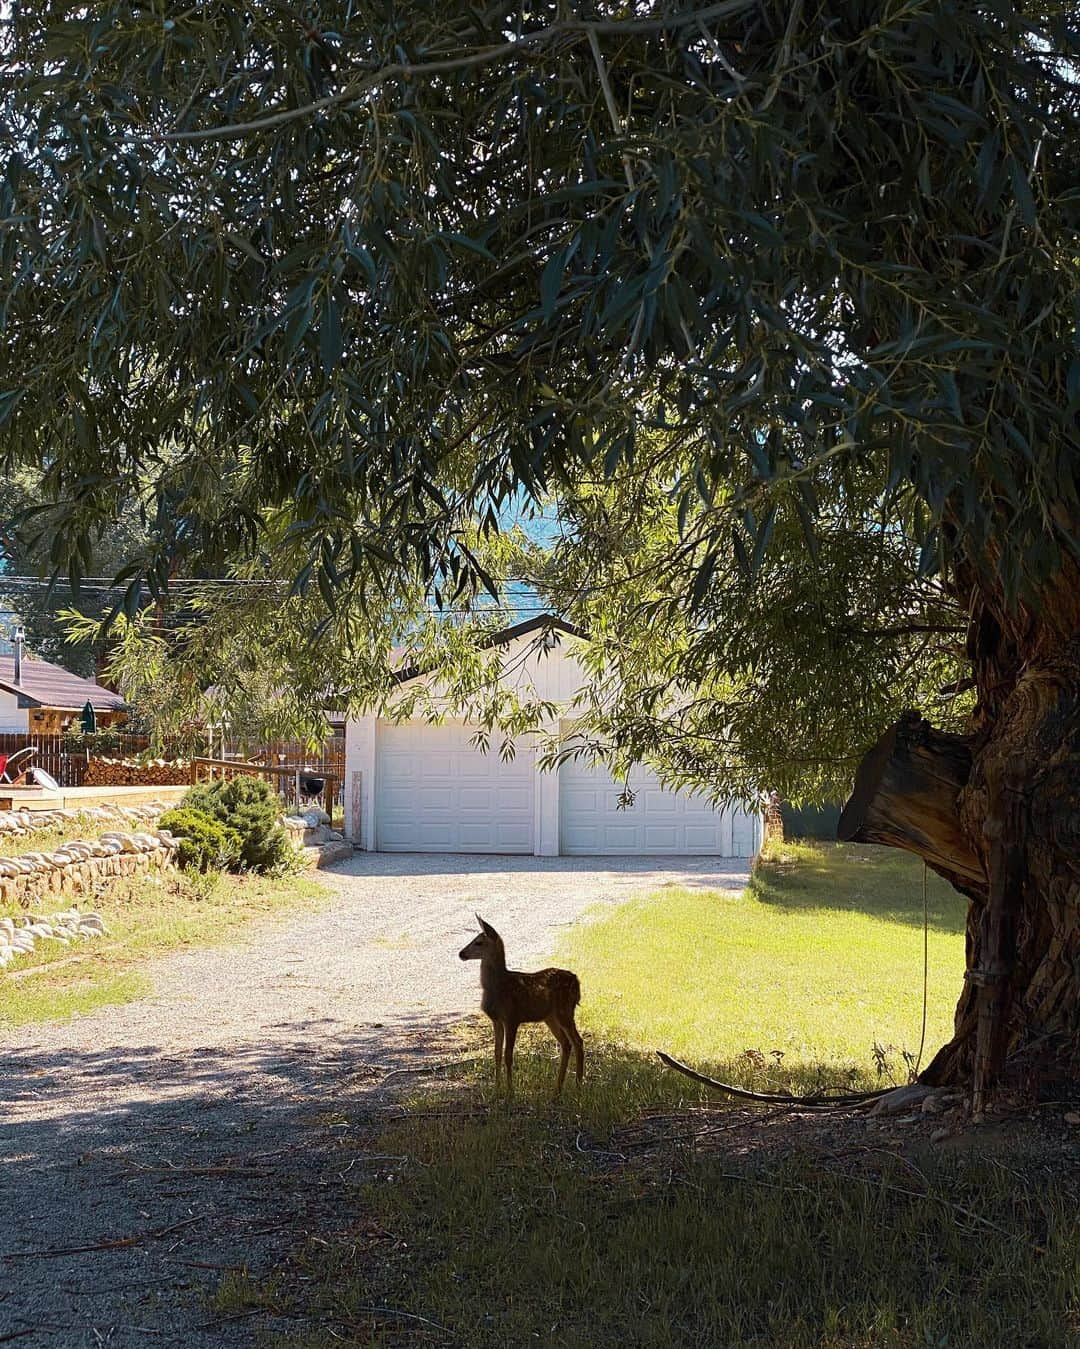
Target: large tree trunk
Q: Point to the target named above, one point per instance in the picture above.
(997, 812)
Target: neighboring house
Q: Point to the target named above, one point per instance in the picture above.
(417, 787)
(37, 696)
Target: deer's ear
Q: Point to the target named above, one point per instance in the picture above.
(486, 928)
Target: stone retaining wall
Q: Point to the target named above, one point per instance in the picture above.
(79, 867)
(22, 823)
(316, 843)
(19, 936)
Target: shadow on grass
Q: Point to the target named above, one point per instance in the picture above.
(843, 877)
(495, 1223)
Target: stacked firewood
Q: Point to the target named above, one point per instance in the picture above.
(105, 772)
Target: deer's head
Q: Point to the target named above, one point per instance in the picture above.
(486, 943)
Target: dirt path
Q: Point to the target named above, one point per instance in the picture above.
(198, 1122)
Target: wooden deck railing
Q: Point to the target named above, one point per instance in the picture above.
(293, 771)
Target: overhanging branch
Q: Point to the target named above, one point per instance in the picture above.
(483, 56)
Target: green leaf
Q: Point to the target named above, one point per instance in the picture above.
(330, 338)
(551, 282)
(1022, 191)
(472, 245)
(761, 542)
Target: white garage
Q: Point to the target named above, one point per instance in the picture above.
(418, 786)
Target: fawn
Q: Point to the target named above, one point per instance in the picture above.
(511, 997)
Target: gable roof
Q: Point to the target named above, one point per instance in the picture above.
(47, 685)
(550, 622)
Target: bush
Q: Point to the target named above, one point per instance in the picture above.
(205, 843)
(249, 807)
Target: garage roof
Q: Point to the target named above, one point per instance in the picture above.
(550, 622)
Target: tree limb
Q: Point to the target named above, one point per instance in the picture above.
(484, 56)
(816, 1102)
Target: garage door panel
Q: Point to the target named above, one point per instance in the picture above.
(619, 838)
(474, 834)
(436, 792)
(514, 837)
(743, 835)
(659, 821)
(706, 837)
(657, 805)
(397, 798)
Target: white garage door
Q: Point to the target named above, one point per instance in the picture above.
(658, 822)
(436, 793)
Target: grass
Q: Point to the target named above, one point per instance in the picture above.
(814, 972)
(610, 1219)
(85, 827)
(145, 917)
(506, 1230)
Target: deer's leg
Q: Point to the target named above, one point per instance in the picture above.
(511, 1036)
(579, 1047)
(563, 1038)
(498, 1049)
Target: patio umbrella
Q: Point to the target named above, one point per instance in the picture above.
(89, 718)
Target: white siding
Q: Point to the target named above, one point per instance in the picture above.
(13, 718)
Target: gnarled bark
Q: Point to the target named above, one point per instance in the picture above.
(906, 796)
(998, 814)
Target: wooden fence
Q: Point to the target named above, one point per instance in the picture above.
(65, 757)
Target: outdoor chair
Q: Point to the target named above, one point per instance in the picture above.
(14, 766)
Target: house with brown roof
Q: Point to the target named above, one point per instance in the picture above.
(38, 696)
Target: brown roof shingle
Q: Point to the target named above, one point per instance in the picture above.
(47, 685)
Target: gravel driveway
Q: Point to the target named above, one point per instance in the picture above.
(196, 1125)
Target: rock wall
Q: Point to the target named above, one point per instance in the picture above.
(316, 843)
(19, 935)
(80, 867)
(23, 823)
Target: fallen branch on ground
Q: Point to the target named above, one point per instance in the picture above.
(154, 1235)
(431, 1067)
(173, 1171)
(785, 1098)
(393, 1312)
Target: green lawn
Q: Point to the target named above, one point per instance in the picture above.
(819, 960)
(489, 1224)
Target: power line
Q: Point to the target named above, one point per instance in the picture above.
(105, 583)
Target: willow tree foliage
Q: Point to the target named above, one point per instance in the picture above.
(807, 270)
(30, 598)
